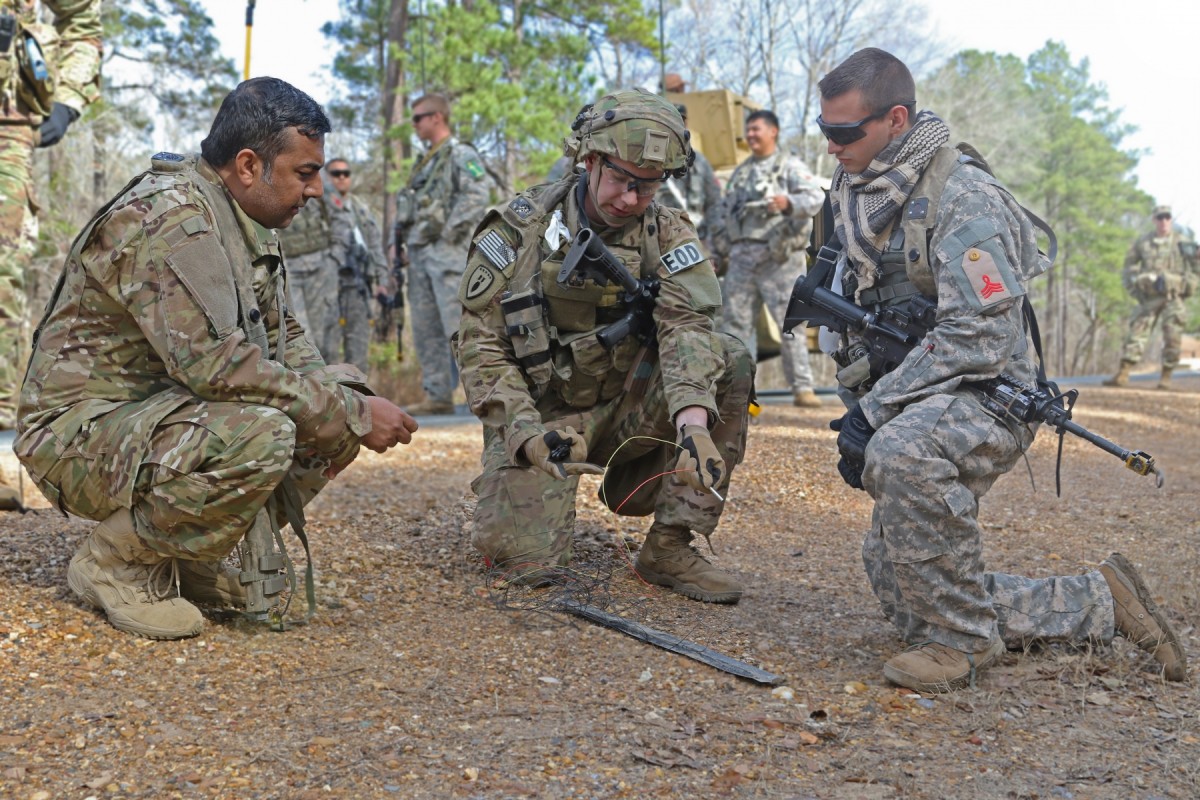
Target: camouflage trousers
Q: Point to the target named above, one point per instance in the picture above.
(927, 470)
(204, 475)
(434, 274)
(1148, 312)
(525, 517)
(756, 278)
(18, 236)
(313, 286)
(348, 332)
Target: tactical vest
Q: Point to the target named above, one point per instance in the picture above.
(553, 327)
(28, 62)
(309, 232)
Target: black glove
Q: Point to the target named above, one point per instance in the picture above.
(561, 455)
(854, 432)
(55, 126)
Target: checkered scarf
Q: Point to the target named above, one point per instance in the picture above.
(872, 200)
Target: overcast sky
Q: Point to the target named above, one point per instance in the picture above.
(1151, 71)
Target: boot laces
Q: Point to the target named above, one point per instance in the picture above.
(156, 587)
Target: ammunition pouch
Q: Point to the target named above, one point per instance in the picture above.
(525, 323)
(36, 46)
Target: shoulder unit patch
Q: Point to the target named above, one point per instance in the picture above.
(478, 282)
(683, 257)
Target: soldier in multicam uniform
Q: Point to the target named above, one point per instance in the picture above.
(538, 376)
(1161, 272)
(317, 246)
(768, 208)
(48, 75)
(168, 395)
(447, 194)
(348, 334)
(917, 438)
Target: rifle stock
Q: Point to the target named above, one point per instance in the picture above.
(591, 258)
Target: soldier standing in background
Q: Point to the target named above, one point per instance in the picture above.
(317, 247)
(170, 394)
(544, 381)
(1160, 273)
(47, 77)
(697, 193)
(348, 335)
(768, 208)
(435, 214)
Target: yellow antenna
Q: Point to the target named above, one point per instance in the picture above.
(249, 28)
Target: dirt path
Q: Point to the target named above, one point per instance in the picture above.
(419, 679)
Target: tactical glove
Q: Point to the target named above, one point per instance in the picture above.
(854, 432)
(560, 455)
(55, 126)
(699, 464)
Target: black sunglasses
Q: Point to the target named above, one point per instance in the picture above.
(339, 173)
(643, 187)
(844, 133)
(418, 117)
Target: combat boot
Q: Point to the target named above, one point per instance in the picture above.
(10, 498)
(115, 571)
(668, 559)
(1164, 380)
(933, 667)
(431, 407)
(1139, 620)
(211, 583)
(806, 398)
(1122, 376)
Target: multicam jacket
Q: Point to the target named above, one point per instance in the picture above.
(545, 347)
(171, 294)
(70, 50)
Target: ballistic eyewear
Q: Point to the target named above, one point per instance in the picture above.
(844, 133)
(644, 187)
(418, 117)
(339, 173)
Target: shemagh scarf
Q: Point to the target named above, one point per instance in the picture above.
(870, 201)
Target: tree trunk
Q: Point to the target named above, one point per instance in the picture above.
(395, 105)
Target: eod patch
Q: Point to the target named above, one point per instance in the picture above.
(683, 257)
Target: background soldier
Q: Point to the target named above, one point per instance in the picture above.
(768, 208)
(540, 375)
(1160, 273)
(44, 86)
(697, 193)
(916, 437)
(348, 335)
(168, 395)
(317, 247)
(447, 194)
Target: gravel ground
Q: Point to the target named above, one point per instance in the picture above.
(420, 677)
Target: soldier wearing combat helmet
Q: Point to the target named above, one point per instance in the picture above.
(559, 398)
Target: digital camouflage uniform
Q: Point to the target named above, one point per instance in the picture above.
(71, 48)
(1160, 274)
(164, 380)
(559, 375)
(317, 245)
(447, 194)
(936, 451)
(766, 253)
(348, 331)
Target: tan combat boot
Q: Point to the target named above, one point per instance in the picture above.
(10, 498)
(933, 667)
(806, 398)
(1122, 376)
(1164, 380)
(668, 559)
(211, 583)
(1139, 620)
(115, 571)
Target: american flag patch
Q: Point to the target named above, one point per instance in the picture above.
(496, 250)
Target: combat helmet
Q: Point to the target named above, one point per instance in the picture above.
(635, 126)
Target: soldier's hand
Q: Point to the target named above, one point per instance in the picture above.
(560, 454)
(699, 464)
(390, 426)
(55, 126)
(854, 433)
(851, 472)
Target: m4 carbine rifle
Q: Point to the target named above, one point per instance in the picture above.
(590, 258)
(889, 336)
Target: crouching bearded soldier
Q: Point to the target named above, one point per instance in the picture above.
(664, 408)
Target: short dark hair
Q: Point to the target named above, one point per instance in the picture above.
(331, 161)
(256, 116)
(766, 115)
(881, 77)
